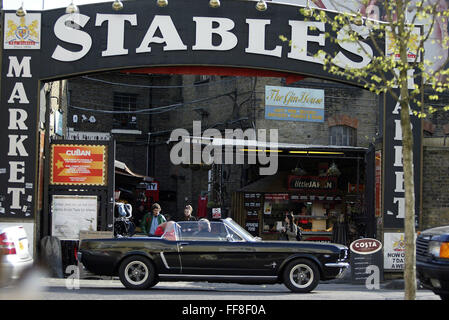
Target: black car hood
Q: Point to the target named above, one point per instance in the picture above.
(437, 231)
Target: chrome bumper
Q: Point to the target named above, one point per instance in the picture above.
(337, 264)
(343, 266)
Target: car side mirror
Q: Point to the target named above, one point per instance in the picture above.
(230, 237)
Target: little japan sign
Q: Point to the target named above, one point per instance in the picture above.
(320, 184)
(294, 104)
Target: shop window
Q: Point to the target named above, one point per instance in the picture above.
(202, 79)
(126, 103)
(343, 136)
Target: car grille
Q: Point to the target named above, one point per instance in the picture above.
(421, 247)
(343, 254)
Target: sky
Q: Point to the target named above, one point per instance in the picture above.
(45, 4)
(51, 4)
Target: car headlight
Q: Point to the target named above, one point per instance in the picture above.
(439, 249)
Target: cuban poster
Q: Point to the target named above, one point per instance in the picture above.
(73, 164)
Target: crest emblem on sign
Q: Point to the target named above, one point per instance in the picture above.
(22, 32)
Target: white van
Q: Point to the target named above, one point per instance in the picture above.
(15, 256)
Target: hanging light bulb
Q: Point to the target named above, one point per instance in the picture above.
(21, 12)
(214, 3)
(333, 170)
(308, 12)
(358, 20)
(261, 5)
(72, 8)
(162, 3)
(117, 5)
(299, 171)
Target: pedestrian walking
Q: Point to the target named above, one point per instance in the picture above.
(289, 229)
(152, 220)
(188, 214)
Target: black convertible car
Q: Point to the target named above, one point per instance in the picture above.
(221, 252)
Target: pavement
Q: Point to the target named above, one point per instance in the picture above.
(41, 286)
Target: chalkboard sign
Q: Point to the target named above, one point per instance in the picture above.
(252, 227)
(366, 258)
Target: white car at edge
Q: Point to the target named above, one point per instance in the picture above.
(15, 256)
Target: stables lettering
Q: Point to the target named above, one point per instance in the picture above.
(163, 31)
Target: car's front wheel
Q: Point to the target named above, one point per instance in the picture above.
(301, 276)
(137, 272)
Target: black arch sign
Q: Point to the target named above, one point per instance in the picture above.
(51, 45)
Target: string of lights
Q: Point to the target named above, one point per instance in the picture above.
(155, 110)
(117, 5)
(156, 87)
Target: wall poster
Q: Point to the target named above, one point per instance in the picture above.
(71, 214)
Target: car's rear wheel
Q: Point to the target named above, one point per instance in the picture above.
(301, 276)
(137, 272)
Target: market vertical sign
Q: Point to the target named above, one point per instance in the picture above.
(73, 164)
(294, 104)
(394, 188)
(18, 115)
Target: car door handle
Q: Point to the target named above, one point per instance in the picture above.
(184, 244)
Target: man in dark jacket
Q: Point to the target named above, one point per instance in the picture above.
(152, 220)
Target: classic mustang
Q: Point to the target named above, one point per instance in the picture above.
(216, 251)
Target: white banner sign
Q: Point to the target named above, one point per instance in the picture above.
(71, 214)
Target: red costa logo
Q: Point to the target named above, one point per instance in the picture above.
(365, 246)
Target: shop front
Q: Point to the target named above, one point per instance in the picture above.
(323, 190)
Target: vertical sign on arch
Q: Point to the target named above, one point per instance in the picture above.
(394, 188)
(18, 115)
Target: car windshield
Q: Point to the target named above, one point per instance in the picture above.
(248, 236)
(205, 230)
(169, 230)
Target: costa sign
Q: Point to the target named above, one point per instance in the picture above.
(365, 246)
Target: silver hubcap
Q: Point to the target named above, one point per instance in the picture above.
(301, 276)
(136, 273)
